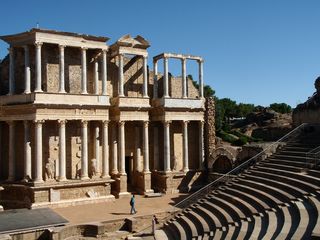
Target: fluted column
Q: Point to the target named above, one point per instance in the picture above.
(185, 147)
(105, 150)
(184, 78)
(146, 146)
(104, 72)
(201, 145)
(145, 76)
(27, 88)
(121, 77)
(12, 151)
(165, 78)
(114, 151)
(97, 147)
(96, 77)
(11, 72)
(61, 69)
(84, 150)
(200, 62)
(155, 79)
(62, 150)
(166, 140)
(38, 151)
(27, 152)
(156, 148)
(84, 71)
(122, 147)
(38, 67)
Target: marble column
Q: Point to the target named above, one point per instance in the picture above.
(105, 150)
(27, 77)
(121, 77)
(84, 71)
(200, 62)
(97, 147)
(27, 152)
(185, 147)
(96, 77)
(84, 150)
(12, 151)
(137, 148)
(184, 78)
(166, 140)
(61, 69)
(145, 76)
(122, 148)
(155, 79)
(104, 72)
(38, 151)
(146, 147)
(62, 150)
(11, 71)
(114, 151)
(38, 67)
(165, 78)
(156, 148)
(201, 145)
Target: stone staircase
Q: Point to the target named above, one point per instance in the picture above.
(276, 198)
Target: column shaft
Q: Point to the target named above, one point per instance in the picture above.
(155, 79)
(12, 151)
(38, 151)
(114, 151)
(84, 150)
(84, 71)
(201, 78)
(156, 148)
(38, 68)
(145, 76)
(62, 150)
(61, 69)
(167, 146)
(121, 77)
(27, 88)
(104, 72)
(137, 148)
(185, 147)
(11, 72)
(146, 146)
(184, 78)
(201, 145)
(96, 77)
(97, 147)
(105, 151)
(165, 78)
(122, 147)
(27, 152)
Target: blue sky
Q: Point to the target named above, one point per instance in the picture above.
(255, 51)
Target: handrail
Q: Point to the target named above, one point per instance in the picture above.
(311, 157)
(206, 189)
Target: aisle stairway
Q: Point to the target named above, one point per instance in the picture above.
(276, 198)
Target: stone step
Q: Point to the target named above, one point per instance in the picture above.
(221, 214)
(289, 188)
(292, 163)
(257, 227)
(212, 219)
(304, 221)
(292, 152)
(243, 231)
(300, 176)
(281, 167)
(289, 180)
(287, 225)
(316, 203)
(189, 227)
(281, 195)
(180, 230)
(272, 226)
(199, 222)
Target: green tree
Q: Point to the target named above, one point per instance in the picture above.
(243, 109)
(281, 107)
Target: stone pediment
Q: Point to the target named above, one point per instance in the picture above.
(137, 42)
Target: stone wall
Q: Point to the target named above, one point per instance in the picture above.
(209, 130)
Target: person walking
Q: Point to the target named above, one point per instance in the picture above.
(132, 204)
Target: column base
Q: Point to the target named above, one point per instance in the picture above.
(119, 186)
(84, 178)
(62, 179)
(38, 91)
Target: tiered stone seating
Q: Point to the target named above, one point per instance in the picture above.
(277, 198)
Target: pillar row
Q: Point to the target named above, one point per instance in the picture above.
(201, 145)
(84, 150)
(105, 150)
(12, 151)
(11, 71)
(145, 76)
(122, 147)
(200, 62)
(121, 77)
(184, 78)
(84, 71)
(166, 139)
(62, 150)
(38, 67)
(155, 79)
(61, 70)
(27, 84)
(27, 152)
(185, 147)
(165, 78)
(38, 151)
(146, 147)
(104, 72)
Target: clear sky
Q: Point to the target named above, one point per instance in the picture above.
(255, 51)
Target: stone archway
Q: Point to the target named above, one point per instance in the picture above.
(221, 161)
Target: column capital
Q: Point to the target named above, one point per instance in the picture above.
(166, 122)
(185, 122)
(38, 121)
(104, 51)
(105, 123)
(183, 59)
(121, 123)
(26, 47)
(165, 58)
(26, 123)
(10, 49)
(62, 121)
(84, 123)
(200, 60)
(145, 124)
(62, 47)
(84, 48)
(11, 122)
(38, 44)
